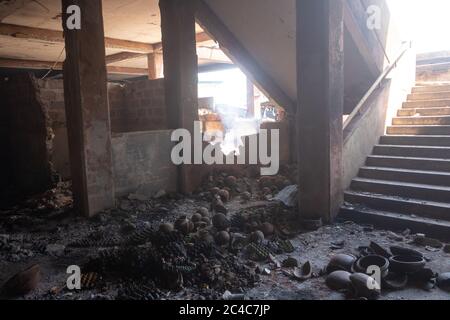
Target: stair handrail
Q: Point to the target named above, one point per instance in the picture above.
(375, 85)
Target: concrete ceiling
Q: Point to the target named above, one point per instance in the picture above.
(134, 20)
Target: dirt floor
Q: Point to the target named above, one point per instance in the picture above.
(131, 253)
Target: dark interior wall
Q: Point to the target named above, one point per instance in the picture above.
(26, 139)
(357, 75)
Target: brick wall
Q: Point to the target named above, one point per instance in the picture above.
(26, 141)
(134, 106)
(138, 106)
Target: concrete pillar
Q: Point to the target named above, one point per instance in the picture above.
(320, 106)
(87, 111)
(180, 73)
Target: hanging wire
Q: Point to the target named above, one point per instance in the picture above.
(54, 65)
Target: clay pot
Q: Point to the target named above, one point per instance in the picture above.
(443, 281)
(166, 228)
(395, 281)
(204, 212)
(267, 228)
(224, 195)
(341, 262)
(196, 218)
(221, 222)
(256, 237)
(364, 286)
(222, 238)
(206, 237)
(406, 264)
(363, 263)
(214, 191)
(400, 251)
(289, 263)
(184, 225)
(304, 272)
(206, 220)
(231, 181)
(218, 206)
(339, 280)
(23, 282)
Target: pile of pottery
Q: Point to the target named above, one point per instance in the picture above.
(377, 269)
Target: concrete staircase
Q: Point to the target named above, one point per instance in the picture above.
(406, 181)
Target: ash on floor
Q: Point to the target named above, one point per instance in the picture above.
(226, 241)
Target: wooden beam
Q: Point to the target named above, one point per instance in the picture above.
(250, 99)
(122, 56)
(231, 46)
(7, 8)
(199, 38)
(87, 111)
(22, 32)
(155, 66)
(35, 64)
(320, 89)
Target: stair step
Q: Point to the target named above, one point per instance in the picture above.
(419, 130)
(438, 141)
(444, 111)
(429, 96)
(427, 89)
(441, 120)
(437, 178)
(396, 222)
(409, 163)
(426, 103)
(402, 189)
(412, 151)
(428, 209)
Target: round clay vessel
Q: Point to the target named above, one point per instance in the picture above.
(406, 264)
(339, 280)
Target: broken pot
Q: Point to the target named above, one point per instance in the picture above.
(362, 265)
(406, 264)
(22, 283)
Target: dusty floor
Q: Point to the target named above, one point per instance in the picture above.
(45, 234)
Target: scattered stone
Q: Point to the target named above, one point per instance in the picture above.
(337, 245)
(217, 205)
(231, 181)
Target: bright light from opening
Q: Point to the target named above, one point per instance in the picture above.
(426, 22)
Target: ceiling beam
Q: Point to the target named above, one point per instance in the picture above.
(7, 8)
(231, 46)
(122, 56)
(22, 32)
(41, 65)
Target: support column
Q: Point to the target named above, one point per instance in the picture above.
(180, 73)
(87, 111)
(155, 66)
(320, 90)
